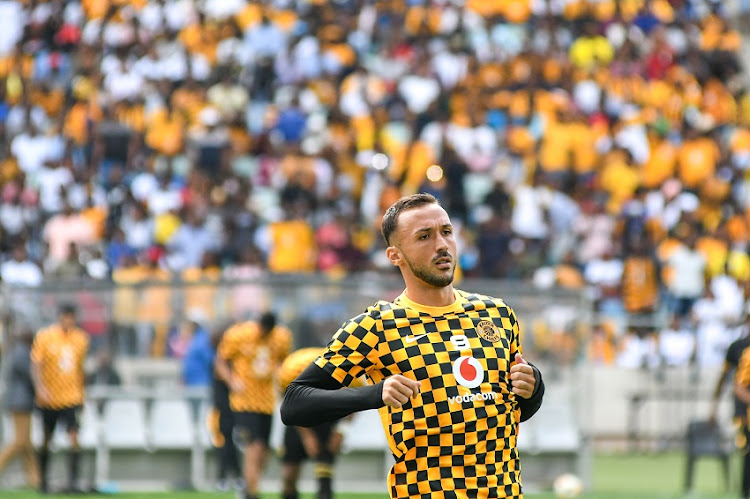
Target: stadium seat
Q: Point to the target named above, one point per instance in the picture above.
(203, 434)
(171, 424)
(555, 424)
(703, 439)
(87, 433)
(366, 433)
(125, 424)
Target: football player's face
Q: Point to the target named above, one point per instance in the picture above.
(427, 244)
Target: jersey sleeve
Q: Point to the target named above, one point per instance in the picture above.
(742, 377)
(285, 344)
(229, 344)
(37, 349)
(353, 351)
(515, 340)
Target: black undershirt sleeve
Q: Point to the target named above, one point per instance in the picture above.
(315, 398)
(532, 404)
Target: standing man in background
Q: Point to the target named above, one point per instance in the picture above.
(248, 356)
(320, 443)
(221, 425)
(737, 364)
(57, 357)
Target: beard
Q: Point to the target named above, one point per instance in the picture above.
(426, 274)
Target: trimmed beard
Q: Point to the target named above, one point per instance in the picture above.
(436, 281)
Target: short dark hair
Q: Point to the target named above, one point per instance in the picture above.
(390, 219)
(267, 321)
(67, 309)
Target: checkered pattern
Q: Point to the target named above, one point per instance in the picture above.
(254, 359)
(443, 447)
(60, 356)
(294, 364)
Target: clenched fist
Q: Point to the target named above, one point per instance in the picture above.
(522, 377)
(398, 389)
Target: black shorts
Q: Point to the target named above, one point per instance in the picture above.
(294, 451)
(68, 416)
(251, 427)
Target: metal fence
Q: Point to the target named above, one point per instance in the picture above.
(136, 318)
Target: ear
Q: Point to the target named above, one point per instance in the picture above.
(394, 255)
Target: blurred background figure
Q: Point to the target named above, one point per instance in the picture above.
(247, 359)
(220, 422)
(19, 403)
(319, 444)
(57, 358)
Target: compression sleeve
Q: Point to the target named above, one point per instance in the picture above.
(531, 405)
(315, 398)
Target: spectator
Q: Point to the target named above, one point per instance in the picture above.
(688, 277)
(20, 271)
(191, 241)
(195, 350)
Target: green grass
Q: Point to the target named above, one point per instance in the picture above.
(653, 476)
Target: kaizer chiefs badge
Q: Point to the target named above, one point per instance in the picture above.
(488, 331)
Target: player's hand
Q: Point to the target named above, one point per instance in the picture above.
(42, 395)
(398, 389)
(522, 377)
(236, 384)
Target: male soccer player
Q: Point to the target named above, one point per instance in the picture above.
(742, 392)
(320, 443)
(57, 357)
(737, 363)
(247, 358)
(731, 361)
(445, 369)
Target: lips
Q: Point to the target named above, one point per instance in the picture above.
(443, 262)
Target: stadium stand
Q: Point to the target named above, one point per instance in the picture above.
(158, 156)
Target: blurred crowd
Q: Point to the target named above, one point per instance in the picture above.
(594, 144)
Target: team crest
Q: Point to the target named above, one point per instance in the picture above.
(488, 331)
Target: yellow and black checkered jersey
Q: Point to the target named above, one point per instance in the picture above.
(60, 356)
(295, 363)
(254, 359)
(457, 438)
(298, 361)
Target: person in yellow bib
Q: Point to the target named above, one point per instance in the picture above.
(247, 359)
(57, 357)
(320, 443)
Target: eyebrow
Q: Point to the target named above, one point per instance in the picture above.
(428, 229)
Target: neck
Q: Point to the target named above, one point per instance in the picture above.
(430, 296)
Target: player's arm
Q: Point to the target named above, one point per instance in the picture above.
(224, 372)
(36, 371)
(228, 346)
(742, 392)
(717, 391)
(315, 397)
(529, 397)
(525, 379)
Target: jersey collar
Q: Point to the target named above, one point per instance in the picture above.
(456, 306)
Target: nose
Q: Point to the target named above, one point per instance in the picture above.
(441, 243)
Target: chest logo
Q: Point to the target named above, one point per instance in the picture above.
(468, 371)
(488, 331)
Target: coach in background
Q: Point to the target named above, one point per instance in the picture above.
(57, 357)
(248, 356)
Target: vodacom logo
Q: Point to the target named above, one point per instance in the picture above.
(468, 371)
